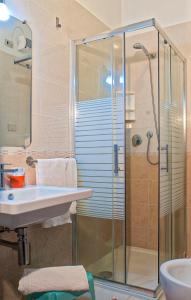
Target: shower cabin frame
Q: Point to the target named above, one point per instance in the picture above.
(150, 23)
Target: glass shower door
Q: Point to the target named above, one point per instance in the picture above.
(172, 154)
(99, 144)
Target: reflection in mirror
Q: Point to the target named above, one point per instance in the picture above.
(15, 83)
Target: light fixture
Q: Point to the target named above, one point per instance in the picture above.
(4, 12)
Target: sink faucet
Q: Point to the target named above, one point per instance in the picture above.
(2, 172)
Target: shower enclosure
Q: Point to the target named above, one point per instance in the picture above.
(130, 138)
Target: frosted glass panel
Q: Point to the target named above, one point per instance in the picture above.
(172, 154)
(178, 157)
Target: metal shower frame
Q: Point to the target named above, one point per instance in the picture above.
(150, 23)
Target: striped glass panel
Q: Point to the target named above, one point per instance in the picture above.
(178, 157)
(94, 153)
(172, 155)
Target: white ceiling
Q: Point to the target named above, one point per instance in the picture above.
(116, 13)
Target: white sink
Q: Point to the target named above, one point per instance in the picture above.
(34, 204)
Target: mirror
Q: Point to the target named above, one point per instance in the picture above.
(15, 83)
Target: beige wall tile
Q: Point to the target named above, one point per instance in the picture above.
(139, 236)
(142, 203)
(153, 193)
(138, 167)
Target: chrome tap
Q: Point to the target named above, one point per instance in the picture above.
(2, 173)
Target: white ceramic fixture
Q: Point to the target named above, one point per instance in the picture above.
(176, 279)
(34, 204)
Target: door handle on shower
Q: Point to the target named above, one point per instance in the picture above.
(165, 148)
(116, 159)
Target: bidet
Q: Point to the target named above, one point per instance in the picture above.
(176, 279)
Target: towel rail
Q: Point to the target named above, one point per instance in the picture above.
(32, 162)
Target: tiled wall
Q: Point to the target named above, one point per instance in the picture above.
(142, 204)
(50, 132)
(51, 65)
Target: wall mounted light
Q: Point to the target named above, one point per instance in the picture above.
(4, 12)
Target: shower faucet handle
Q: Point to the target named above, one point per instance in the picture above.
(136, 140)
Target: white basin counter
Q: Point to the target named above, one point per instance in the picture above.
(33, 204)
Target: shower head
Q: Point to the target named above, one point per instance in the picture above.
(139, 46)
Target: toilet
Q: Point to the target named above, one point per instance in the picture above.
(175, 276)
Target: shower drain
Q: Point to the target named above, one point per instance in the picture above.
(106, 274)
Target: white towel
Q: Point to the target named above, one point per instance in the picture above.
(68, 278)
(58, 172)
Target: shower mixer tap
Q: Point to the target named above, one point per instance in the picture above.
(136, 140)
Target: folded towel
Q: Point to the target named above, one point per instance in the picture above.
(68, 278)
(58, 172)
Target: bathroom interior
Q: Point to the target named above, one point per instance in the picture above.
(95, 149)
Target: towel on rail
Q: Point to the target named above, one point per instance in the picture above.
(60, 172)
